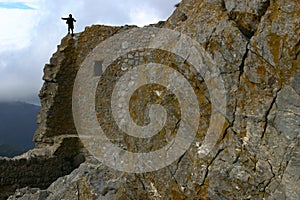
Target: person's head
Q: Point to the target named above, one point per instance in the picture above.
(70, 15)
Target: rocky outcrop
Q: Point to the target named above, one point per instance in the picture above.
(39, 167)
(58, 150)
(254, 46)
(55, 118)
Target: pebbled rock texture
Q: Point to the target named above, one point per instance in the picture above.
(255, 45)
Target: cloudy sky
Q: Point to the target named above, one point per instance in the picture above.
(32, 29)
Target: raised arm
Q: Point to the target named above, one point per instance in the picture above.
(64, 18)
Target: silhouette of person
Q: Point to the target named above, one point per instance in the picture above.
(70, 21)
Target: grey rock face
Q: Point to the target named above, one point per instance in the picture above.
(255, 47)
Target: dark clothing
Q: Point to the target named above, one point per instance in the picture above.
(70, 21)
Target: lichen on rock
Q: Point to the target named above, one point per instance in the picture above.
(255, 47)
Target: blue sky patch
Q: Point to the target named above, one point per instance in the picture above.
(15, 5)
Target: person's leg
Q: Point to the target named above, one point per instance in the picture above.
(72, 28)
(69, 29)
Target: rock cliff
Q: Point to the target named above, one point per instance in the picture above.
(250, 91)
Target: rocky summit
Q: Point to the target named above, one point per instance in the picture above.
(205, 105)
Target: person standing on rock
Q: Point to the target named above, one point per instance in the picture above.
(70, 21)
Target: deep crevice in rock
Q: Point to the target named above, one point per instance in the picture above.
(247, 23)
(210, 163)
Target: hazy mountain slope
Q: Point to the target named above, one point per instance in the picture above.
(17, 126)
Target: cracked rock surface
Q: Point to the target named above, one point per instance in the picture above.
(255, 45)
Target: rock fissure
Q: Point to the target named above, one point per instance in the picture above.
(273, 102)
(265, 60)
(173, 174)
(206, 174)
(254, 45)
(247, 22)
(268, 181)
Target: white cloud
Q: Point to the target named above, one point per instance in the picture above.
(30, 37)
(16, 26)
(143, 16)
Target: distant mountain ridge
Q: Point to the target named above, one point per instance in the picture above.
(17, 127)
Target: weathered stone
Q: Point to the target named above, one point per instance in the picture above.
(254, 45)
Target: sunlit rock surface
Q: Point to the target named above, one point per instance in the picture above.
(255, 46)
